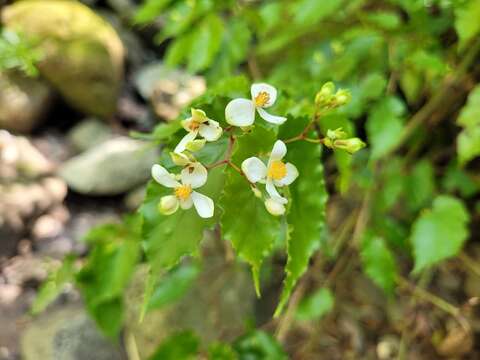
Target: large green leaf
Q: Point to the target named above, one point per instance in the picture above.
(439, 233)
(467, 21)
(245, 222)
(378, 262)
(307, 213)
(168, 238)
(468, 142)
(384, 125)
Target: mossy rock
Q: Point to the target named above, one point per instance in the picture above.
(82, 54)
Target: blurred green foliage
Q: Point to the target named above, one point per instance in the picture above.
(16, 52)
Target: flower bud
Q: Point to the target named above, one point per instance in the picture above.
(181, 159)
(195, 145)
(342, 97)
(325, 94)
(274, 207)
(336, 134)
(168, 205)
(351, 145)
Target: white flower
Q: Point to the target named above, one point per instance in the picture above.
(275, 173)
(198, 124)
(193, 176)
(241, 112)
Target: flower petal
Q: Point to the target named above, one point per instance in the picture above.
(277, 120)
(198, 115)
(278, 152)
(256, 89)
(272, 191)
(168, 205)
(163, 177)
(195, 175)
(203, 204)
(240, 112)
(292, 174)
(274, 207)
(186, 139)
(211, 130)
(187, 203)
(186, 124)
(254, 169)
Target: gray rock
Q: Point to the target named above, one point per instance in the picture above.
(113, 167)
(168, 90)
(82, 54)
(23, 101)
(88, 133)
(67, 334)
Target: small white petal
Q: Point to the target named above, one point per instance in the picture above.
(168, 204)
(262, 87)
(277, 120)
(186, 139)
(240, 112)
(274, 207)
(272, 191)
(163, 177)
(292, 174)
(187, 203)
(278, 152)
(203, 204)
(211, 130)
(254, 169)
(195, 175)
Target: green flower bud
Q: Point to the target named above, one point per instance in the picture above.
(195, 145)
(256, 192)
(336, 134)
(351, 145)
(181, 159)
(325, 94)
(168, 205)
(274, 207)
(342, 97)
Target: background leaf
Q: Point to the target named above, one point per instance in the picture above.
(316, 305)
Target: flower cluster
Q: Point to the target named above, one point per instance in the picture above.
(274, 173)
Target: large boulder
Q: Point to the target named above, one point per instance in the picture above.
(111, 168)
(82, 53)
(23, 101)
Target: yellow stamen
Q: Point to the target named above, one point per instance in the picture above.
(277, 170)
(183, 192)
(262, 98)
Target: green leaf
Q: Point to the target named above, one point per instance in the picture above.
(378, 262)
(439, 233)
(384, 125)
(385, 19)
(206, 43)
(149, 10)
(169, 238)
(173, 285)
(258, 345)
(245, 222)
(468, 142)
(183, 345)
(54, 285)
(165, 131)
(420, 185)
(219, 351)
(307, 213)
(115, 250)
(466, 21)
(309, 12)
(316, 305)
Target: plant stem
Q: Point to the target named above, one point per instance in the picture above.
(471, 264)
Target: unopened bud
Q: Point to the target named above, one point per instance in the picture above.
(168, 205)
(336, 134)
(325, 94)
(256, 192)
(181, 159)
(195, 145)
(274, 207)
(342, 97)
(351, 145)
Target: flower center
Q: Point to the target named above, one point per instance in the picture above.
(262, 98)
(277, 170)
(194, 125)
(183, 192)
